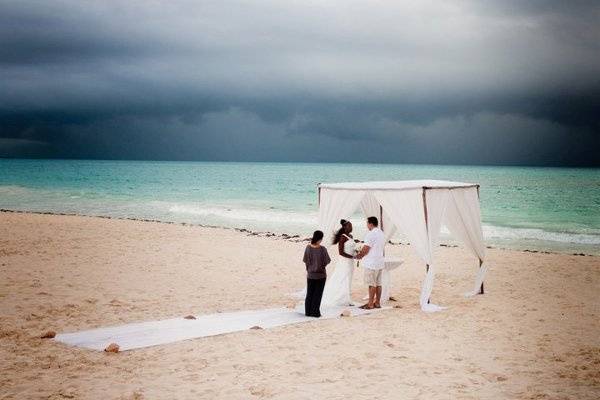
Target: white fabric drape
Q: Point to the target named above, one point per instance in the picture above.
(437, 201)
(406, 210)
(370, 207)
(335, 205)
(463, 219)
(478, 281)
(386, 288)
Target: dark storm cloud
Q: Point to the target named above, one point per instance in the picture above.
(503, 82)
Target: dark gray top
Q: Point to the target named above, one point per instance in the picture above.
(316, 259)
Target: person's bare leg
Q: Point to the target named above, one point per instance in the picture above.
(377, 303)
(372, 290)
(370, 304)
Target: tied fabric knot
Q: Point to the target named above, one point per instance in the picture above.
(426, 292)
(478, 281)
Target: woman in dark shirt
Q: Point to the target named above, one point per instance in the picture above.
(316, 259)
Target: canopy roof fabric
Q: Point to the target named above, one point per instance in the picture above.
(417, 208)
(397, 185)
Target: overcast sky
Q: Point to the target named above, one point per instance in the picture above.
(457, 82)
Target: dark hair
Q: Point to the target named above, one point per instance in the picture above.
(317, 235)
(338, 233)
(373, 221)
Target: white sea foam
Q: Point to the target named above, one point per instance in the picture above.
(248, 214)
(500, 232)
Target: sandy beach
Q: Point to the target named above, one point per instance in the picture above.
(535, 334)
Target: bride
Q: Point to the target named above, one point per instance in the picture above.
(339, 285)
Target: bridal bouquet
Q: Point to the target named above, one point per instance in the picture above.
(357, 250)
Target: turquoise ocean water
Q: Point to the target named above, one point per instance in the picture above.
(555, 209)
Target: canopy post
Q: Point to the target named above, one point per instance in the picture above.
(427, 230)
(381, 223)
(319, 194)
(481, 291)
(481, 288)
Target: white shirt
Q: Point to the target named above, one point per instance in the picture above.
(375, 239)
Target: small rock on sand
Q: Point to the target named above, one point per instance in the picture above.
(346, 313)
(189, 317)
(256, 327)
(112, 348)
(68, 393)
(48, 335)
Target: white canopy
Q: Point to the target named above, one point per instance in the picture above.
(417, 208)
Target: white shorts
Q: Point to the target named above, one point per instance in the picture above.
(372, 277)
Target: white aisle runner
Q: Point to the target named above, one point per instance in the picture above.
(152, 333)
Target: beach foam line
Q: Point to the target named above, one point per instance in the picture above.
(154, 333)
(247, 214)
(508, 233)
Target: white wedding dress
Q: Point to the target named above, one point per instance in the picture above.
(339, 285)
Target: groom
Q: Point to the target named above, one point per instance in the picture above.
(371, 255)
